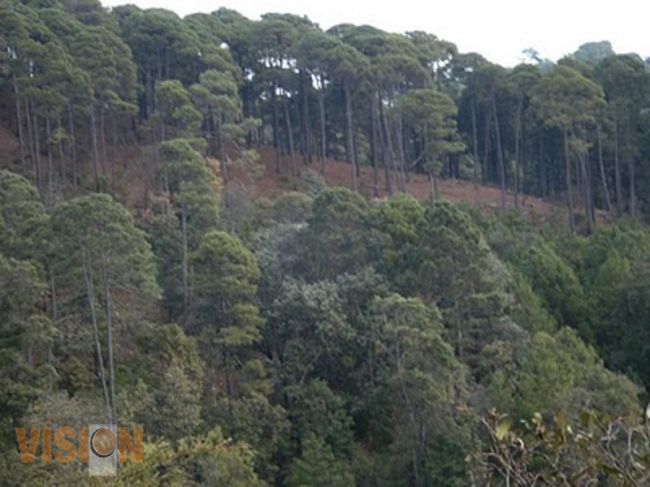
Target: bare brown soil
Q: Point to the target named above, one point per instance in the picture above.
(338, 173)
(128, 172)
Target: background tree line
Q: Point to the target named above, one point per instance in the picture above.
(79, 83)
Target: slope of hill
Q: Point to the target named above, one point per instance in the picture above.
(338, 173)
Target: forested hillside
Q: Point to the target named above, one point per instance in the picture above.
(317, 335)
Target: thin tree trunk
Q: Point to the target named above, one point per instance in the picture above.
(568, 181)
(30, 137)
(502, 169)
(287, 119)
(375, 148)
(411, 414)
(586, 192)
(19, 122)
(389, 144)
(276, 129)
(542, 167)
(486, 147)
(90, 292)
(224, 167)
(590, 187)
(349, 132)
(601, 164)
(307, 125)
(37, 150)
(55, 311)
(109, 336)
(617, 173)
(50, 164)
(579, 183)
(93, 132)
(185, 262)
(76, 173)
(402, 156)
(631, 170)
(113, 145)
(62, 171)
(474, 142)
(384, 149)
(431, 168)
(323, 140)
(517, 148)
(102, 134)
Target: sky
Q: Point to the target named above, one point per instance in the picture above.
(498, 29)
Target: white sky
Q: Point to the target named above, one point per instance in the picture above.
(498, 29)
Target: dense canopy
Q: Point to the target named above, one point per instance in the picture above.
(173, 254)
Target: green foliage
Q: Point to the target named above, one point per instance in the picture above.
(433, 115)
(209, 459)
(560, 372)
(96, 235)
(175, 108)
(398, 222)
(335, 234)
(557, 285)
(22, 216)
(26, 337)
(322, 339)
(317, 466)
(225, 281)
(565, 98)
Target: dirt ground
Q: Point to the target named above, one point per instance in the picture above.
(339, 173)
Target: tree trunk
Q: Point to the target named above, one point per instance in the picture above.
(30, 137)
(542, 167)
(568, 181)
(384, 149)
(323, 135)
(401, 176)
(114, 137)
(431, 165)
(102, 134)
(631, 170)
(306, 124)
(375, 148)
(19, 122)
(224, 166)
(62, 171)
(349, 131)
(109, 337)
(586, 191)
(50, 164)
(502, 169)
(517, 149)
(90, 293)
(76, 172)
(486, 146)
(55, 310)
(411, 414)
(287, 119)
(603, 178)
(95, 148)
(617, 173)
(389, 145)
(186, 298)
(474, 142)
(37, 151)
(276, 129)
